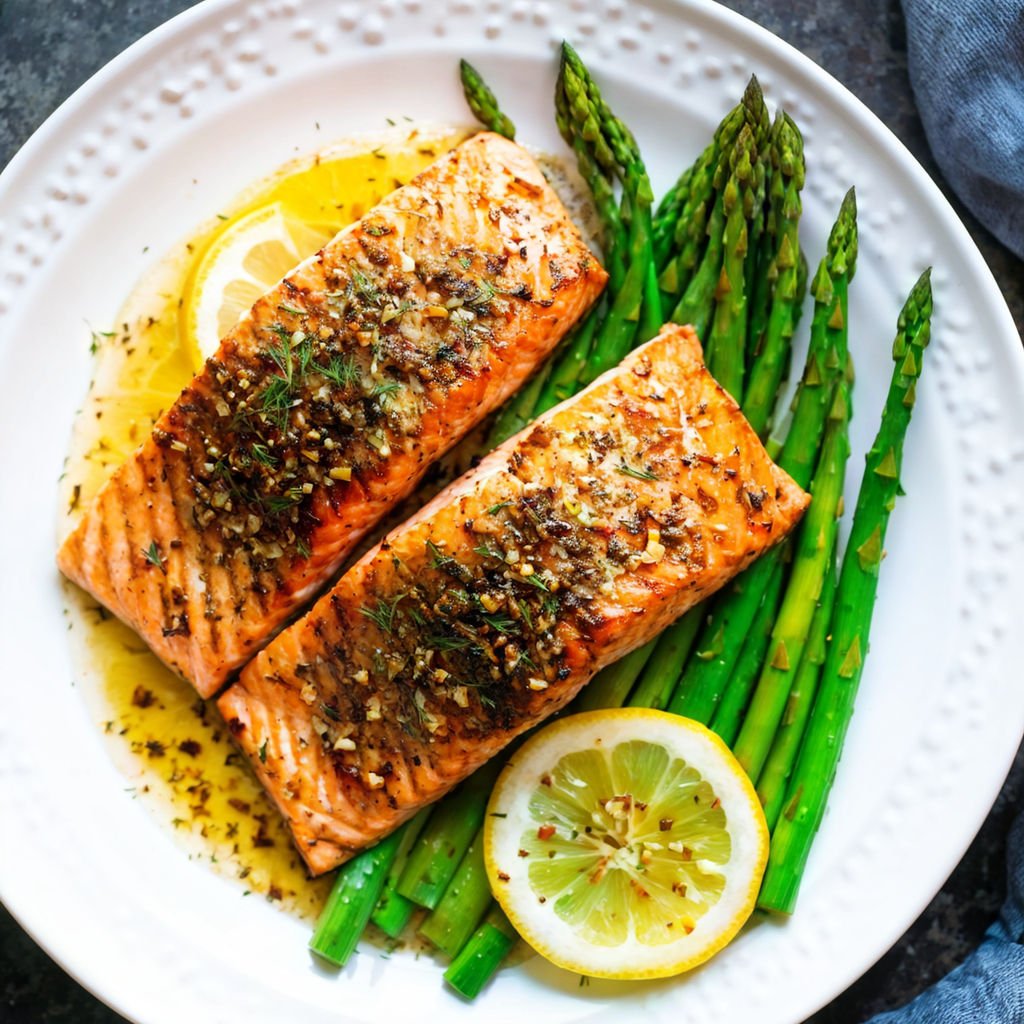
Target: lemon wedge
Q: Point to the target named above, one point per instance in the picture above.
(243, 262)
(285, 219)
(626, 843)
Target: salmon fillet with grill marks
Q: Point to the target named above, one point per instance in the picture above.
(573, 543)
(327, 403)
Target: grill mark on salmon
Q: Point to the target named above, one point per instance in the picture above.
(326, 404)
(570, 545)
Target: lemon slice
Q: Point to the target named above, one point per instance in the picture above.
(242, 263)
(626, 843)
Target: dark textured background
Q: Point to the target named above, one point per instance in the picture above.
(47, 49)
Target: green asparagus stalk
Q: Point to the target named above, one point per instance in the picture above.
(811, 399)
(393, 910)
(678, 257)
(671, 650)
(352, 900)
(759, 242)
(773, 344)
(697, 304)
(703, 683)
(562, 382)
(635, 313)
(463, 905)
(592, 162)
(483, 102)
(771, 786)
(727, 342)
(446, 837)
(813, 549)
(807, 793)
(518, 410)
(683, 211)
(663, 223)
(481, 956)
(612, 685)
(729, 713)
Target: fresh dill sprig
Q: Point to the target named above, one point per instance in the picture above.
(383, 613)
(637, 474)
(341, 370)
(500, 623)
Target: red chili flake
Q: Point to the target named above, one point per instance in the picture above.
(524, 853)
(190, 747)
(665, 824)
(503, 877)
(242, 806)
(155, 748)
(545, 780)
(545, 831)
(687, 853)
(716, 803)
(274, 893)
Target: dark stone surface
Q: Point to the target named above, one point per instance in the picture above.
(47, 49)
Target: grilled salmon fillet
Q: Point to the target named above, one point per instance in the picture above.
(327, 403)
(574, 542)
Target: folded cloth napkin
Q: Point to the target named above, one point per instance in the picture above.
(988, 987)
(967, 69)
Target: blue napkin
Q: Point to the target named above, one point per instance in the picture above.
(988, 987)
(967, 70)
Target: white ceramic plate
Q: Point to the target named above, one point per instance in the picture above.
(222, 94)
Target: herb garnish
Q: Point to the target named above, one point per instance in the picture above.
(153, 556)
(383, 614)
(342, 370)
(637, 474)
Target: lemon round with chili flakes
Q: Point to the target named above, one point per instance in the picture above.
(626, 843)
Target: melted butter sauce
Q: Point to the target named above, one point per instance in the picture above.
(171, 745)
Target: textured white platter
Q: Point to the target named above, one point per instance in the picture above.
(220, 96)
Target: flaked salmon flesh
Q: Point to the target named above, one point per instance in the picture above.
(573, 543)
(328, 402)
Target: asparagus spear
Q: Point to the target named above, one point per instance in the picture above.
(727, 343)
(612, 685)
(671, 650)
(446, 837)
(635, 313)
(393, 910)
(773, 344)
(758, 241)
(812, 554)
(351, 901)
(477, 961)
(701, 687)
(679, 255)
(663, 223)
(701, 222)
(697, 304)
(729, 713)
(483, 102)
(463, 905)
(771, 786)
(808, 789)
